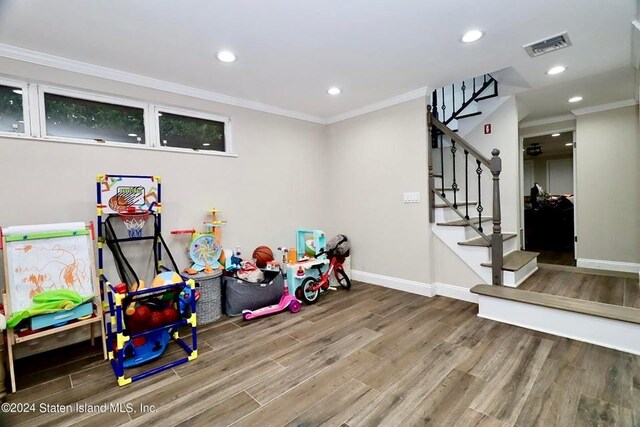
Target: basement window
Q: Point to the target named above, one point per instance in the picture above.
(92, 118)
(192, 131)
(12, 109)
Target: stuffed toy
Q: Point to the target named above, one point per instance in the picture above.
(250, 272)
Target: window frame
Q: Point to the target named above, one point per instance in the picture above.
(228, 146)
(91, 96)
(26, 117)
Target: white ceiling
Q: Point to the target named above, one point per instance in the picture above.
(290, 51)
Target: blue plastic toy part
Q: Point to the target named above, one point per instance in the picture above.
(155, 345)
(205, 250)
(184, 304)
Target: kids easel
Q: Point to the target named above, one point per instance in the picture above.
(28, 271)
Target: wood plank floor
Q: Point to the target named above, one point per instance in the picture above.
(367, 357)
(622, 290)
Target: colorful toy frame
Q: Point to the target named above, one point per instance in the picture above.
(146, 193)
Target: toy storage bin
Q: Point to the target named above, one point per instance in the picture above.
(210, 302)
(242, 295)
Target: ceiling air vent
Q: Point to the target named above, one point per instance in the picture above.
(548, 45)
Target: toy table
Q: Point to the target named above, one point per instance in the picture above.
(309, 266)
(210, 302)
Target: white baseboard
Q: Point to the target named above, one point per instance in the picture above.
(455, 292)
(598, 264)
(393, 283)
(430, 290)
(582, 327)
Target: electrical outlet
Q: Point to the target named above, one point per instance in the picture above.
(411, 197)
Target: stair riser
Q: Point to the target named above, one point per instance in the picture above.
(578, 326)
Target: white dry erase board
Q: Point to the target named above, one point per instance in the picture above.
(47, 257)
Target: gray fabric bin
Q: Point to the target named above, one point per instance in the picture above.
(242, 295)
(209, 306)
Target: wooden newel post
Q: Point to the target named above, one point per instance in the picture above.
(432, 182)
(497, 253)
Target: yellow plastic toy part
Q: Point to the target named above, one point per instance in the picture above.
(111, 355)
(122, 381)
(193, 355)
(192, 320)
(120, 340)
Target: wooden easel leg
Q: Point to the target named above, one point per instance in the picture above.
(12, 373)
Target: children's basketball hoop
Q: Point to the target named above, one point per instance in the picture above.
(134, 219)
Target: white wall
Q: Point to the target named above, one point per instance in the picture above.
(374, 158)
(274, 186)
(608, 182)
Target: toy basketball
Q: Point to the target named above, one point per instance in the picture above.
(156, 319)
(170, 315)
(166, 278)
(118, 203)
(262, 255)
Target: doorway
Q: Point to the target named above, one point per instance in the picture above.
(548, 187)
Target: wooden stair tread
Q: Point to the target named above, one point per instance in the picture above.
(479, 241)
(625, 314)
(515, 260)
(463, 223)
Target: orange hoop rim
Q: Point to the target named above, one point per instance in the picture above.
(137, 214)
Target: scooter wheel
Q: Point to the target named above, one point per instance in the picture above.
(295, 306)
(245, 316)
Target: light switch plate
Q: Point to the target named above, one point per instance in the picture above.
(413, 197)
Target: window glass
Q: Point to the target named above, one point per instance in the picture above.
(191, 132)
(79, 118)
(11, 113)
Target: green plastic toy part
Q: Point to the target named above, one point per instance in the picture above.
(49, 302)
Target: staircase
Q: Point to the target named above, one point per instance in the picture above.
(464, 186)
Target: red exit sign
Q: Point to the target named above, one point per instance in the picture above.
(487, 129)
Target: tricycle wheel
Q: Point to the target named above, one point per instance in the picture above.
(309, 295)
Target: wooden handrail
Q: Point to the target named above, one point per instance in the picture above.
(459, 140)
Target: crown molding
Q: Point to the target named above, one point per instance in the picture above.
(547, 121)
(399, 99)
(604, 107)
(40, 58)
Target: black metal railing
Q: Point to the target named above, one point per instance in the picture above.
(441, 135)
(452, 101)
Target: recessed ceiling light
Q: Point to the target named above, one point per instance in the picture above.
(569, 144)
(555, 134)
(575, 99)
(226, 56)
(18, 91)
(133, 135)
(334, 91)
(471, 36)
(556, 70)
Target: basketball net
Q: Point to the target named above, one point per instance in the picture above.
(134, 220)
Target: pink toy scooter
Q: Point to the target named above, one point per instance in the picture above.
(286, 301)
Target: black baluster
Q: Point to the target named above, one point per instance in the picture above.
(443, 108)
(479, 208)
(484, 78)
(474, 86)
(454, 186)
(453, 99)
(464, 96)
(442, 164)
(466, 184)
(434, 101)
